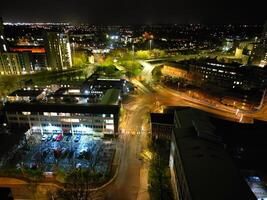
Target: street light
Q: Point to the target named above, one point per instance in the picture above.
(133, 51)
(150, 43)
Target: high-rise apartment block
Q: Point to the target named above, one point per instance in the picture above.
(58, 50)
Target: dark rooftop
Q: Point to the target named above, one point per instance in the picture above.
(27, 93)
(54, 107)
(209, 170)
(161, 118)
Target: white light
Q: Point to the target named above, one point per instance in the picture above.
(110, 127)
(53, 114)
(109, 121)
(4, 46)
(86, 92)
(70, 120)
(26, 113)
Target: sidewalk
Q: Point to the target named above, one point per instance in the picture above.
(143, 190)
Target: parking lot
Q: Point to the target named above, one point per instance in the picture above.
(56, 151)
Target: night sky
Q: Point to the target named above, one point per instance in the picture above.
(134, 11)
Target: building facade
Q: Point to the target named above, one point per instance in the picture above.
(95, 120)
(37, 56)
(65, 111)
(58, 50)
(14, 63)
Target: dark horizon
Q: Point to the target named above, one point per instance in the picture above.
(120, 12)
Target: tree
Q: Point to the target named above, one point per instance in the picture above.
(7, 85)
(156, 73)
(35, 176)
(77, 186)
(79, 182)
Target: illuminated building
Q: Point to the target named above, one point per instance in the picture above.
(3, 45)
(67, 111)
(249, 81)
(14, 63)
(37, 56)
(95, 83)
(200, 167)
(26, 95)
(58, 50)
(229, 44)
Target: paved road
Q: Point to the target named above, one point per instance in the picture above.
(132, 183)
(132, 180)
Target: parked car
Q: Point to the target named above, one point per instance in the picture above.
(49, 137)
(54, 137)
(77, 138)
(59, 137)
(78, 165)
(68, 138)
(44, 137)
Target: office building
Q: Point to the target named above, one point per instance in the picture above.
(58, 50)
(249, 81)
(67, 111)
(200, 167)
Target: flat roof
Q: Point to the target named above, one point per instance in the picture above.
(209, 170)
(185, 117)
(162, 118)
(60, 107)
(27, 93)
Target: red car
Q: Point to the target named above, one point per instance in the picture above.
(59, 137)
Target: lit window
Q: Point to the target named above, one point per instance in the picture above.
(108, 121)
(26, 113)
(53, 114)
(110, 127)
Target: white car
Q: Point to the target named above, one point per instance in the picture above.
(54, 137)
(78, 165)
(44, 137)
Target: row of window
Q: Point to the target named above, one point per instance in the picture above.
(67, 119)
(68, 114)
